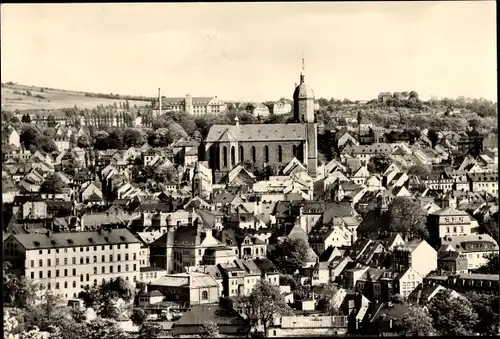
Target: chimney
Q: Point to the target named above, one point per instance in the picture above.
(159, 101)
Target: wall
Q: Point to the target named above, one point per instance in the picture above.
(195, 295)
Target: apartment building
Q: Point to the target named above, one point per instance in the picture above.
(484, 182)
(67, 262)
(415, 254)
(449, 222)
(194, 105)
(475, 247)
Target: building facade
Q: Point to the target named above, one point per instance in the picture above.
(193, 105)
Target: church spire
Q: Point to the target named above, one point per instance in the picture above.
(302, 73)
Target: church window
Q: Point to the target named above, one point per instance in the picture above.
(254, 155)
(294, 150)
(233, 156)
(224, 156)
(280, 154)
(266, 153)
(242, 156)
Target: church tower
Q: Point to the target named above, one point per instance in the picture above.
(303, 112)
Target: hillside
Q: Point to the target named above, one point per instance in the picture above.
(16, 97)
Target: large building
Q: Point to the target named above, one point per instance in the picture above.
(193, 105)
(263, 144)
(67, 262)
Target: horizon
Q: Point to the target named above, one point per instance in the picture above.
(207, 49)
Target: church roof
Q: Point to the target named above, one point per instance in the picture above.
(257, 132)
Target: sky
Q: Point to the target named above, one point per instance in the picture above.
(253, 51)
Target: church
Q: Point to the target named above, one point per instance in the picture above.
(263, 144)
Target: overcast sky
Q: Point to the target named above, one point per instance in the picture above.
(253, 51)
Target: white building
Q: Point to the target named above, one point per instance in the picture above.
(67, 262)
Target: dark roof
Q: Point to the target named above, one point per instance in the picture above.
(227, 319)
(256, 132)
(76, 239)
(265, 265)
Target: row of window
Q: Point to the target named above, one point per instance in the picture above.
(65, 271)
(83, 261)
(86, 248)
(254, 154)
(65, 284)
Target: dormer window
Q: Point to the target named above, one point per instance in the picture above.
(106, 239)
(70, 241)
(91, 240)
(37, 243)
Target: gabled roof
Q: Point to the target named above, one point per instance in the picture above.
(257, 132)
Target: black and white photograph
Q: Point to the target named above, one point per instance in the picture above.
(249, 169)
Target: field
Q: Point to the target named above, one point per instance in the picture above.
(15, 97)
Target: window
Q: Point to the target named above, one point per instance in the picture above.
(126, 256)
(73, 261)
(40, 263)
(224, 156)
(119, 257)
(65, 261)
(126, 246)
(65, 272)
(233, 156)
(110, 258)
(119, 268)
(65, 284)
(242, 156)
(40, 274)
(254, 155)
(280, 153)
(294, 150)
(32, 275)
(204, 295)
(95, 269)
(57, 273)
(266, 153)
(49, 286)
(49, 274)
(40, 252)
(126, 268)
(135, 256)
(48, 262)
(95, 258)
(81, 249)
(88, 249)
(57, 285)
(95, 248)
(103, 269)
(57, 261)
(48, 251)
(118, 246)
(74, 271)
(103, 247)
(81, 260)
(81, 277)
(87, 277)
(74, 284)
(110, 269)
(135, 267)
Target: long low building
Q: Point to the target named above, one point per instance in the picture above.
(67, 262)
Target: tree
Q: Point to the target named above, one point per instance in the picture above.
(487, 307)
(133, 137)
(327, 302)
(150, 330)
(433, 137)
(378, 163)
(29, 133)
(138, 316)
(407, 217)
(10, 326)
(492, 265)
(45, 144)
(416, 322)
(420, 171)
(26, 118)
(83, 141)
(49, 132)
(209, 329)
(51, 121)
(166, 175)
(290, 255)
(52, 185)
(100, 328)
(266, 302)
(452, 316)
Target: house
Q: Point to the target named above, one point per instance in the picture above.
(260, 110)
(407, 281)
(149, 298)
(228, 321)
(476, 248)
(449, 222)
(452, 261)
(307, 326)
(466, 282)
(417, 254)
(192, 287)
(282, 106)
(487, 182)
(424, 294)
(151, 273)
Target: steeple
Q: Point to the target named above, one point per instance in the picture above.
(302, 76)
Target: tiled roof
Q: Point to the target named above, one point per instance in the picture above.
(258, 132)
(76, 239)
